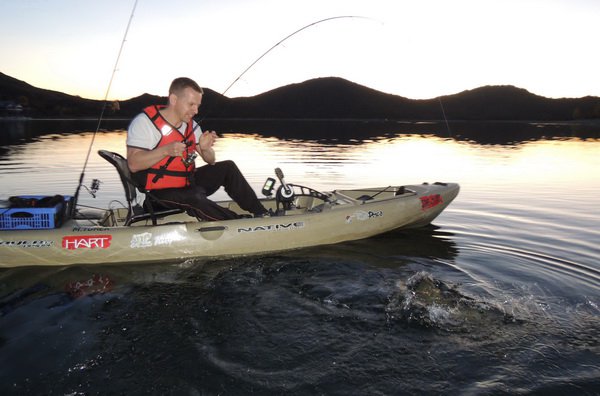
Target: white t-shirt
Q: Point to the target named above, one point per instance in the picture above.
(142, 133)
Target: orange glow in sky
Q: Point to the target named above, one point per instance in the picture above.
(416, 49)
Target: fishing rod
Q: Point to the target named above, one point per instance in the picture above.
(76, 195)
(279, 43)
(286, 38)
(272, 48)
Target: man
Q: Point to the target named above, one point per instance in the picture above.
(162, 142)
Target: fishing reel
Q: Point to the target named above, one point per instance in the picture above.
(94, 187)
(190, 157)
(285, 193)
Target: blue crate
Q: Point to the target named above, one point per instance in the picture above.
(27, 218)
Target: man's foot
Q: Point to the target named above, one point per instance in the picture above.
(269, 213)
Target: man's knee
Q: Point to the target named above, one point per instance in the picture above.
(229, 164)
(229, 168)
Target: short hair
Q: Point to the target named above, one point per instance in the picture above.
(181, 83)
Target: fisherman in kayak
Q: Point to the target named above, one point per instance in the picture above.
(162, 143)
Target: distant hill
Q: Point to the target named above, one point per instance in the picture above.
(43, 102)
(321, 98)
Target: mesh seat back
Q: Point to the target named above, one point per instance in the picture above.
(119, 162)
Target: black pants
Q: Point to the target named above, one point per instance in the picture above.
(207, 180)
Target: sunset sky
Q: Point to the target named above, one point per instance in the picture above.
(416, 49)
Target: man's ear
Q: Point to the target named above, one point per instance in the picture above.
(172, 99)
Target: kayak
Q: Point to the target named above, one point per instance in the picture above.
(300, 217)
(101, 236)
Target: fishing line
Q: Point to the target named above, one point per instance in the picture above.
(444, 114)
(76, 195)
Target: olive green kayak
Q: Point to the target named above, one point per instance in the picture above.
(307, 218)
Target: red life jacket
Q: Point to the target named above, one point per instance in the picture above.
(170, 172)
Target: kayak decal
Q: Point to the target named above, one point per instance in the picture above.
(273, 227)
(73, 242)
(27, 244)
(143, 240)
(431, 201)
(96, 229)
(146, 239)
(363, 215)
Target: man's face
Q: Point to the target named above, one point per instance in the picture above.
(187, 103)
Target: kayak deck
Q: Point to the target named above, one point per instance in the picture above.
(302, 205)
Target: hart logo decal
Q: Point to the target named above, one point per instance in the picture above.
(72, 242)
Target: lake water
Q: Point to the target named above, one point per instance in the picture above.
(500, 295)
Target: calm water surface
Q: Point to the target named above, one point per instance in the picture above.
(500, 295)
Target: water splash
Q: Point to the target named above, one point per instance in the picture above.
(431, 303)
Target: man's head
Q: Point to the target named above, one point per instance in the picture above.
(180, 83)
(185, 96)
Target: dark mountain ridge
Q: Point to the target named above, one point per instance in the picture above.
(320, 98)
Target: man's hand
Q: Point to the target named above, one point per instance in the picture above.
(207, 139)
(205, 147)
(174, 149)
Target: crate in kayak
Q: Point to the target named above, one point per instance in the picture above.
(31, 212)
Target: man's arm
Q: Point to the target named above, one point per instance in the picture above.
(139, 159)
(142, 136)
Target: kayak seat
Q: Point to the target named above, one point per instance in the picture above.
(152, 209)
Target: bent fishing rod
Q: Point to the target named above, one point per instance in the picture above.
(277, 44)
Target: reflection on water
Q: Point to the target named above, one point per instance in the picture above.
(501, 293)
(561, 163)
(327, 131)
(355, 132)
(15, 131)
